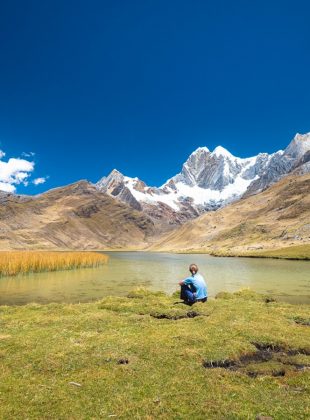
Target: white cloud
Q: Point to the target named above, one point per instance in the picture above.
(4, 186)
(39, 181)
(14, 172)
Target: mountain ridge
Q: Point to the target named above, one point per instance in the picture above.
(79, 216)
(76, 216)
(275, 218)
(210, 180)
(118, 213)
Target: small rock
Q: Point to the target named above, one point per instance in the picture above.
(259, 417)
(74, 383)
(192, 314)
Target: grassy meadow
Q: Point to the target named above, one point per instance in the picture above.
(296, 252)
(145, 357)
(22, 262)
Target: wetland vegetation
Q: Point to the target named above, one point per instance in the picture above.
(13, 263)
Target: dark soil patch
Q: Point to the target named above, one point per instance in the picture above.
(270, 300)
(266, 352)
(276, 348)
(190, 314)
(226, 364)
(276, 373)
(302, 321)
(267, 347)
(297, 366)
(123, 361)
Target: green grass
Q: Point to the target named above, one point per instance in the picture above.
(296, 252)
(44, 349)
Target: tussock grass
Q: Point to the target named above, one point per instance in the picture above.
(22, 262)
(113, 358)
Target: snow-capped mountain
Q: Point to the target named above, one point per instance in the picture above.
(209, 180)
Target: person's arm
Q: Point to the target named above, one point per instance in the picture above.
(186, 281)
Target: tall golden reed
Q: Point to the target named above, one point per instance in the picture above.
(22, 262)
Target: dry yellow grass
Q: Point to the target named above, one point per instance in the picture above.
(22, 262)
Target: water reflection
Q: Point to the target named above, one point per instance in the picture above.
(287, 280)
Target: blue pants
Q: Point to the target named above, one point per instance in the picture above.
(187, 294)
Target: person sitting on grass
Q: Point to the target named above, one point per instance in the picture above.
(193, 288)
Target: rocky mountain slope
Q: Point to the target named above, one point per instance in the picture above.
(275, 218)
(208, 181)
(122, 212)
(80, 217)
(77, 216)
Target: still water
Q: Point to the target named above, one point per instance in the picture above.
(286, 280)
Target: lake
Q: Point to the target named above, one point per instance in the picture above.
(285, 280)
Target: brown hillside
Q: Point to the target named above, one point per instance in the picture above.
(275, 218)
(76, 216)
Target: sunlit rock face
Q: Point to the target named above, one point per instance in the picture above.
(299, 146)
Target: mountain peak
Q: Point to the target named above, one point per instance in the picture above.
(109, 182)
(200, 150)
(299, 145)
(221, 151)
(198, 155)
(302, 137)
(209, 180)
(115, 172)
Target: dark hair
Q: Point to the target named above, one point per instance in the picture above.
(195, 266)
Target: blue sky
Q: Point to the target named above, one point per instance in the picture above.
(89, 86)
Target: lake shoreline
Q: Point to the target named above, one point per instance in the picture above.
(298, 253)
(286, 280)
(295, 252)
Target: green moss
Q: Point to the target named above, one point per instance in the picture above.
(299, 359)
(224, 295)
(46, 350)
(267, 369)
(246, 293)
